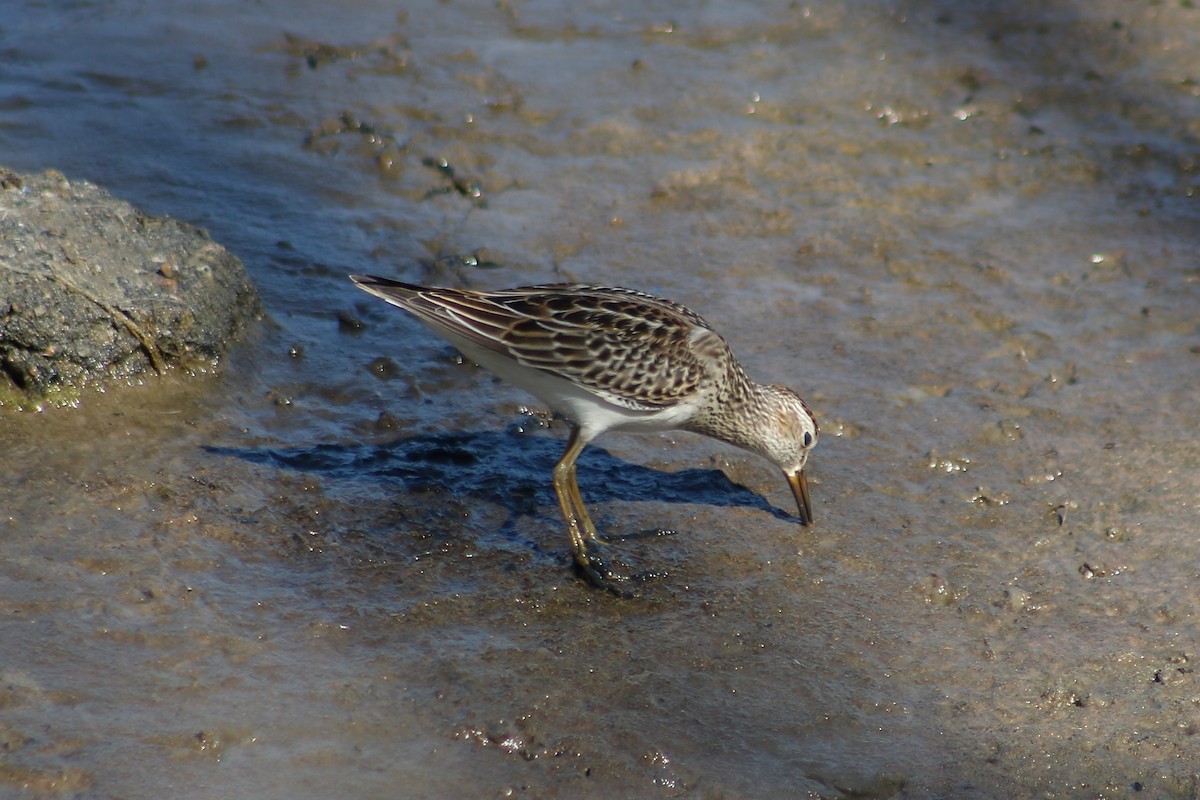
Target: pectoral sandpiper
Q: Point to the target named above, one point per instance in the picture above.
(614, 359)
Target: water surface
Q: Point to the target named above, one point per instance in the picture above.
(966, 233)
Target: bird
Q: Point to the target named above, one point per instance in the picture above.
(610, 359)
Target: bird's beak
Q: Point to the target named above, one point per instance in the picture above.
(799, 486)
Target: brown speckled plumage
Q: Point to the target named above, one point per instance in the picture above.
(633, 349)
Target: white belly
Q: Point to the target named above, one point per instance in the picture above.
(590, 411)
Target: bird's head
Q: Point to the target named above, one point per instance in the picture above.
(794, 434)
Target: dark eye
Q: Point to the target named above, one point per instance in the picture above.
(807, 439)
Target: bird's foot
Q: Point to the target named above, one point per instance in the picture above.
(595, 570)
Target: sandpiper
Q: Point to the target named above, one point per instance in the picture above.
(614, 359)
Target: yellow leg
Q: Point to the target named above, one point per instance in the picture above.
(579, 525)
(589, 527)
(563, 473)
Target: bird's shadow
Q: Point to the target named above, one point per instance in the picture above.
(507, 468)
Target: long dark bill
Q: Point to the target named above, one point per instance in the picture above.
(799, 486)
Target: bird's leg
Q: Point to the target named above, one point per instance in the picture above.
(589, 527)
(563, 474)
(579, 524)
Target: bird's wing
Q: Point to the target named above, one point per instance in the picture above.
(633, 349)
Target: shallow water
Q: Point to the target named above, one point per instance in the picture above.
(966, 234)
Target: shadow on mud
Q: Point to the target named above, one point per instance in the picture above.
(509, 469)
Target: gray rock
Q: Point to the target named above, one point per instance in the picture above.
(94, 291)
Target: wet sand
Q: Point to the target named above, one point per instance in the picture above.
(966, 235)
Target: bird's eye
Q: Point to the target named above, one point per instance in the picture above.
(807, 439)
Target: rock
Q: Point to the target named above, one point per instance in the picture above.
(94, 291)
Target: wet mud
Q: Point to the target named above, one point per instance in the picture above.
(966, 235)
